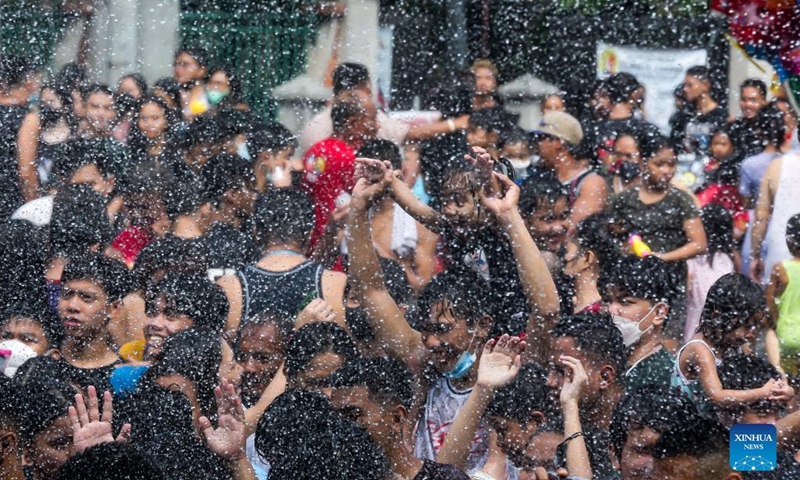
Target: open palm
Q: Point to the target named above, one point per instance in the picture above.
(500, 361)
(228, 439)
(88, 427)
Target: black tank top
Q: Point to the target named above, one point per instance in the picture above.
(283, 293)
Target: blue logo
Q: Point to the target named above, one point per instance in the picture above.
(754, 448)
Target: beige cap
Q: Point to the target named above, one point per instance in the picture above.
(561, 125)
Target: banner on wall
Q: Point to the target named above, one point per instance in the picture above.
(659, 70)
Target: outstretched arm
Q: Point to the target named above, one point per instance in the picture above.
(428, 217)
(538, 285)
(498, 367)
(386, 319)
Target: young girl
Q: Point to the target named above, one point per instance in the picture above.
(706, 269)
(734, 309)
(722, 180)
(783, 300)
(592, 248)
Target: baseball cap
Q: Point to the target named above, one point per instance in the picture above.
(561, 125)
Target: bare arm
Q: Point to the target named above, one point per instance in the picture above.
(763, 213)
(428, 217)
(333, 284)
(425, 132)
(592, 199)
(253, 414)
(233, 291)
(499, 364)
(696, 245)
(577, 456)
(27, 146)
(386, 319)
(538, 285)
(777, 284)
(421, 267)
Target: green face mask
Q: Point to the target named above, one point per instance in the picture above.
(215, 96)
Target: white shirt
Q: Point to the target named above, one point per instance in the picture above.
(321, 127)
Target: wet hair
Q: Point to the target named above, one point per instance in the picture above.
(597, 336)
(343, 112)
(196, 356)
(539, 190)
(484, 63)
(233, 122)
(110, 275)
(41, 313)
(755, 83)
(464, 295)
(348, 76)
(769, 126)
(594, 233)
(82, 153)
(272, 137)
(22, 277)
(731, 303)
(284, 325)
(283, 216)
(659, 408)
(193, 296)
(137, 138)
(110, 461)
(387, 380)
(90, 90)
(793, 235)
(337, 449)
(46, 401)
(718, 224)
(749, 372)
(315, 339)
(459, 179)
(224, 172)
(382, 149)
(184, 198)
(167, 254)
(138, 79)
(197, 52)
(648, 278)
(654, 144)
(699, 72)
(169, 86)
(513, 136)
(234, 83)
(79, 221)
(524, 396)
(621, 86)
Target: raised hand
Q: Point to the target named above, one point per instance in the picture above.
(318, 310)
(575, 381)
(228, 439)
(375, 171)
(508, 200)
(500, 361)
(484, 166)
(88, 427)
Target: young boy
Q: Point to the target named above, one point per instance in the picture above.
(783, 299)
(639, 292)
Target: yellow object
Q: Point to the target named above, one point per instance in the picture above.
(198, 107)
(132, 351)
(640, 249)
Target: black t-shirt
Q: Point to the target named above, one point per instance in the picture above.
(603, 134)
(660, 224)
(743, 135)
(695, 137)
(437, 471)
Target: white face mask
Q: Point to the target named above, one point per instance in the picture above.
(631, 333)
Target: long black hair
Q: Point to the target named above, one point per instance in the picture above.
(718, 224)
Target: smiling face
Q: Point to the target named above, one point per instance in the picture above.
(448, 337)
(694, 88)
(548, 224)
(259, 352)
(460, 209)
(751, 102)
(85, 309)
(160, 323)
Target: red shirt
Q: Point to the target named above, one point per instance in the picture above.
(728, 196)
(330, 165)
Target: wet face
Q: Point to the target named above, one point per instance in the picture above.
(448, 339)
(598, 374)
(660, 169)
(694, 88)
(623, 305)
(315, 377)
(485, 81)
(539, 457)
(90, 175)
(721, 146)
(51, 448)
(637, 453)
(259, 352)
(744, 335)
(27, 331)
(188, 69)
(84, 309)
(145, 209)
(128, 86)
(548, 224)
(751, 101)
(381, 422)
(600, 104)
(513, 438)
(100, 112)
(152, 121)
(160, 323)
(460, 209)
(553, 103)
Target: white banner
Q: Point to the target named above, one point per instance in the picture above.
(659, 70)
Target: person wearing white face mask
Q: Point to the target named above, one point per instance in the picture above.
(638, 291)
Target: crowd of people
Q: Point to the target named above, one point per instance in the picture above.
(189, 292)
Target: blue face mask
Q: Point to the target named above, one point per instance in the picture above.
(462, 366)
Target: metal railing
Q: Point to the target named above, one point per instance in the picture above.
(265, 49)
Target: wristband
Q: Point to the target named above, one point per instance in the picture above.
(451, 124)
